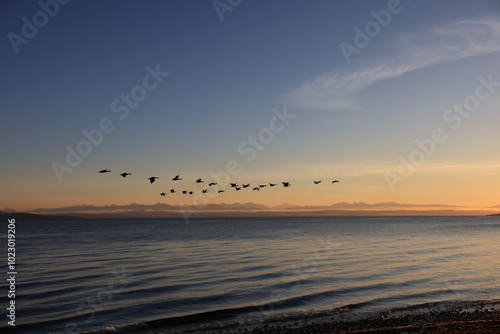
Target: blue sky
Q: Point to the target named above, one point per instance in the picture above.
(352, 119)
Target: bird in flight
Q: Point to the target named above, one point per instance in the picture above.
(199, 181)
(272, 184)
(184, 192)
(176, 178)
(262, 185)
(317, 182)
(125, 174)
(162, 194)
(234, 185)
(220, 191)
(286, 184)
(105, 171)
(191, 192)
(212, 183)
(237, 188)
(335, 181)
(152, 179)
(256, 188)
(204, 191)
(246, 185)
(172, 191)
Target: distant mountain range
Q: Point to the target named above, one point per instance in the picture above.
(360, 205)
(162, 210)
(32, 216)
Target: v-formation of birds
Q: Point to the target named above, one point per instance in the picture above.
(236, 186)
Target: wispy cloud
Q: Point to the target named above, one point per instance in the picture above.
(362, 169)
(338, 89)
(482, 168)
(310, 170)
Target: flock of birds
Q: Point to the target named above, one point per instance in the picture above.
(236, 186)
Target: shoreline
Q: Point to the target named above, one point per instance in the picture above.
(437, 317)
(480, 321)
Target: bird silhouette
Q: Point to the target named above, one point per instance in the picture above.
(317, 182)
(105, 171)
(162, 194)
(172, 191)
(125, 174)
(237, 188)
(220, 191)
(199, 181)
(152, 179)
(212, 184)
(256, 188)
(246, 185)
(176, 178)
(286, 184)
(272, 184)
(262, 185)
(335, 181)
(184, 192)
(191, 192)
(233, 184)
(204, 191)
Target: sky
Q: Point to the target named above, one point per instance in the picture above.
(398, 100)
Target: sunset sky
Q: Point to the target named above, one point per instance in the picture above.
(327, 90)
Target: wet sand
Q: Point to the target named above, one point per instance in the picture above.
(480, 320)
(459, 317)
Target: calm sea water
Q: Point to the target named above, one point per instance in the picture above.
(84, 275)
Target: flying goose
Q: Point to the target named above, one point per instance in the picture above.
(152, 179)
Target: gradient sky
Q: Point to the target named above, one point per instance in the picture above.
(354, 120)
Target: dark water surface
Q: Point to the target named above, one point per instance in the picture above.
(84, 275)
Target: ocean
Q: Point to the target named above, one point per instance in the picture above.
(76, 276)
